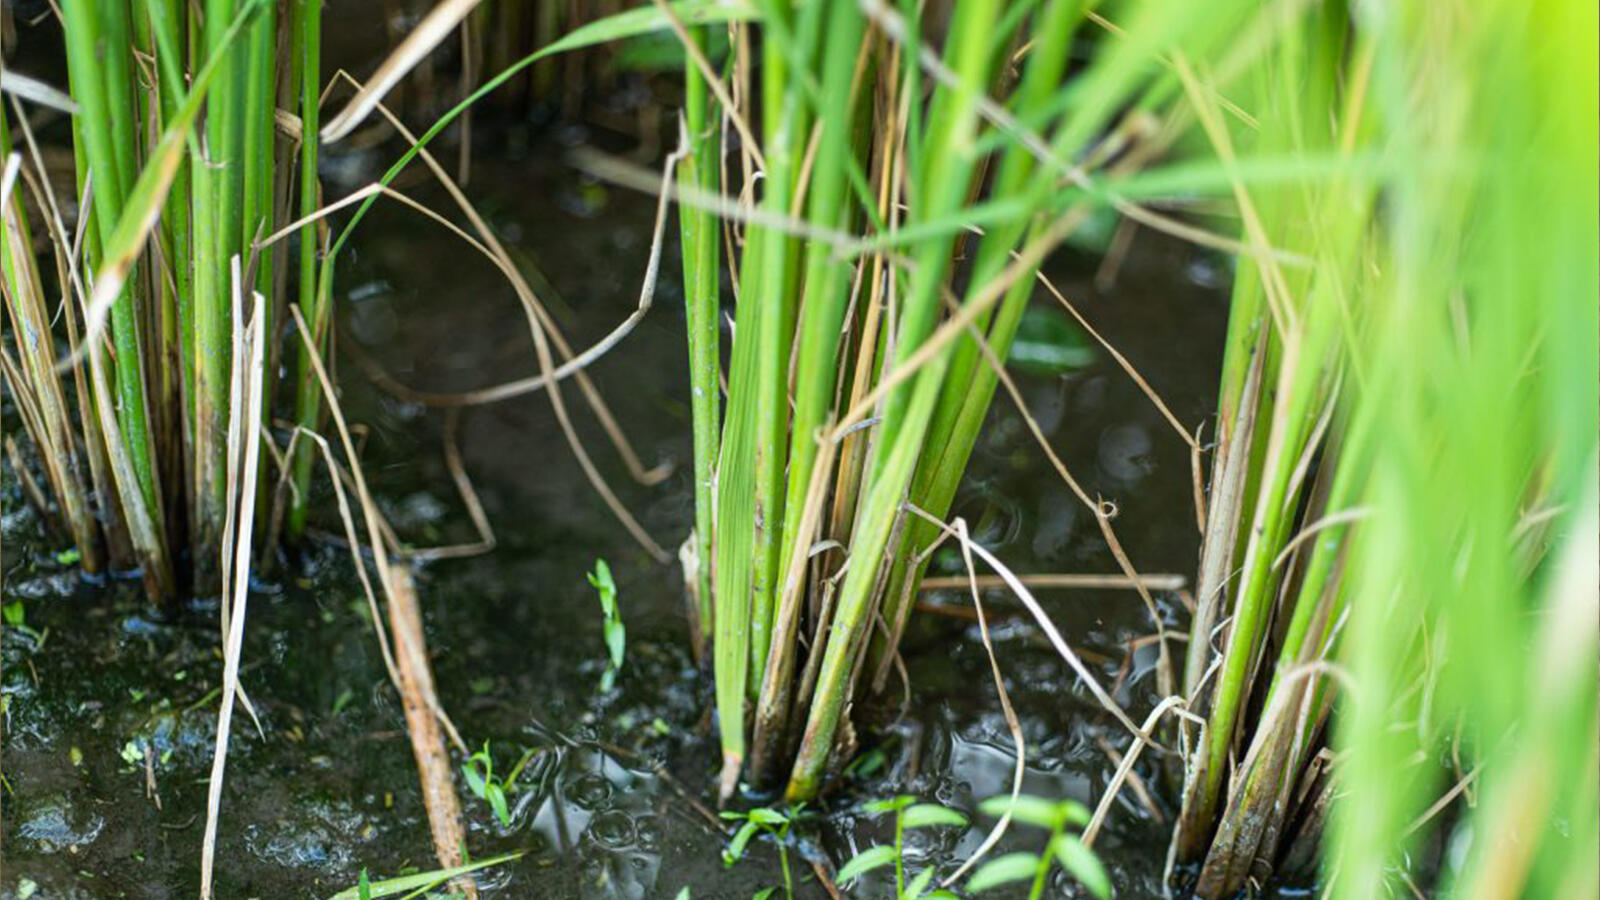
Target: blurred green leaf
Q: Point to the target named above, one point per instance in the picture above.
(865, 861)
(1003, 870)
(925, 815)
(1027, 809)
(1049, 342)
(1081, 862)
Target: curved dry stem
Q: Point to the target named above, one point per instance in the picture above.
(1014, 726)
(501, 260)
(1173, 704)
(428, 34)
(1048, 627)
(894, 25)
(1122, 361)
(1103, 510)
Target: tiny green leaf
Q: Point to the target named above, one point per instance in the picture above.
(764, 893)
(616, 641)
(1081, 862)
(1073, 813)
(1026, 809)
(865, 861)
(879, 807)
(474, 779)
(741, 839)
(927, 815)
(768, 816)
(1003, 870)
(918, 884)
(497, 801)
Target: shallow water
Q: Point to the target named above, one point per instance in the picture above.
(328, 787)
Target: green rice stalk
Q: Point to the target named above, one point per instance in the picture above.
(97, 47)
(822, 307)
(971, 384)
(1403, 551)
(1481, 386)
(701, 284)
(942, 178)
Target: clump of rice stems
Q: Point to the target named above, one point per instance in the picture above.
(888, 203)
(179, 164)
(1397, 591)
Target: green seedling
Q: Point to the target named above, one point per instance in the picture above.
(491, 788)
(1063, 848)
(479, 772)
(763, 820)
(615, 632)
(908, 814)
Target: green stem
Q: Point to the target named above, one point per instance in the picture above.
(943, 178)
(89, 31)
(308, 28)
(701, 284)
(1042, 872)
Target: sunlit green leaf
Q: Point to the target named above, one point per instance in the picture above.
(741, 839)
(1081, 862)
(919, 884)
(768, 816)
(879, 807)
(865, 861)
(1073, 812)
(497, 802)
(1026, 809)
(1003, 870)
(474, 779)
(925, 815)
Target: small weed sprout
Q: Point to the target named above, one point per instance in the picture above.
(492, 789)
(479, 772)
(616, 634)
(908, 814)
(769, 821)
(1062, 848)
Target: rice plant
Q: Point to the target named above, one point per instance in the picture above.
(181, 169)
(887, 203)
(1396, 599)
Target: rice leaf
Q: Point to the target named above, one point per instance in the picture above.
(390, 887)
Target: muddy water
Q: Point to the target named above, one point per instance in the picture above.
(611, 803)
